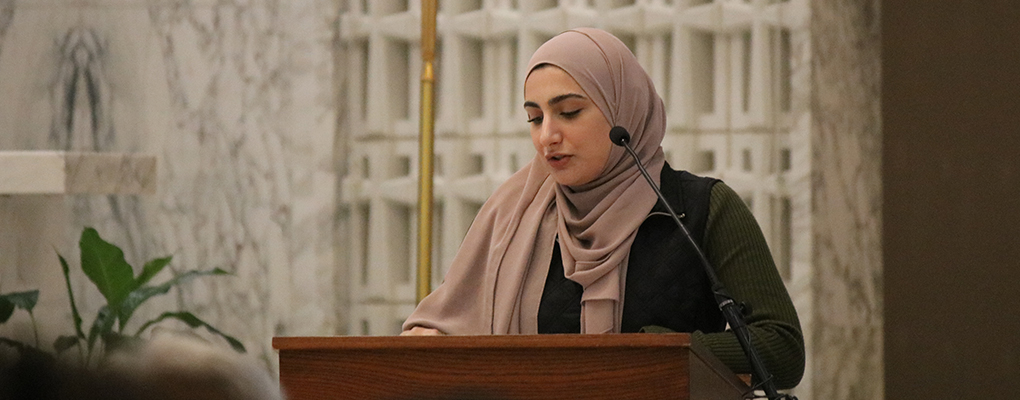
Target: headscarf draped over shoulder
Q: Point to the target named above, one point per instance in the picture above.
(495, 282)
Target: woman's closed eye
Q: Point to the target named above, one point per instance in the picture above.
(570, 114)
(536, 120)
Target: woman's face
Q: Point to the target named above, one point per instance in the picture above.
(569, 132)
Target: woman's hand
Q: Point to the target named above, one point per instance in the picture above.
(421, 331)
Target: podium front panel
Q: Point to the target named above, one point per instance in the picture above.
(625, 366)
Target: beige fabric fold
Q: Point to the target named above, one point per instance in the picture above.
(495, 282)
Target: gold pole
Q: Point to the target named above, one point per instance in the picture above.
(426, 148)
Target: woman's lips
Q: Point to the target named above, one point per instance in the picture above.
(558, 161)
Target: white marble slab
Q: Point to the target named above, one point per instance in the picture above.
(62, 172)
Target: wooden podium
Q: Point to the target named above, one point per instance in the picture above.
(622, 366)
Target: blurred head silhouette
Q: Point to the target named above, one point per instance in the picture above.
(168, 367)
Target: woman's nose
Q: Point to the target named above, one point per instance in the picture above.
(550, 133)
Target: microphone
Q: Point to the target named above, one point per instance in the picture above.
(730, 309)
(620, 137)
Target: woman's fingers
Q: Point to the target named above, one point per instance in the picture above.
(421, 331)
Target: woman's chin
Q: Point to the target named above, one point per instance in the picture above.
(571, 180)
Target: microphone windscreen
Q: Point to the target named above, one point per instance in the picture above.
(619, 135)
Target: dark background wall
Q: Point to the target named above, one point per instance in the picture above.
(951, 190)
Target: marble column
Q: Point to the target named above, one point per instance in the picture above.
(846, 191)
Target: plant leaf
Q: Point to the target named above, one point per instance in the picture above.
(70, 295)
(150, 270)
(105, 266)
(142, 294)
(6, 309)
(136, 298)
(15, 344)
(23, 300)
(101, 326)
(65, 342)
(28, 352)
(194, 322)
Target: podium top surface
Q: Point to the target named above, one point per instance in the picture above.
(487, 341)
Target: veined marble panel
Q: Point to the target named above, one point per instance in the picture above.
(237, 102)
(6, 12)
(801, 278)
(847, 200)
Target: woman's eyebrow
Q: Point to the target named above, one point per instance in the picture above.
(554, 100)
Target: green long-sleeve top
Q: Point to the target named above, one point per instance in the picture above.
(735, 246)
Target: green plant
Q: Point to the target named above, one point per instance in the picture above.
(25, 301)
(104, 264)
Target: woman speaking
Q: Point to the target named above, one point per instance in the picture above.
(578, 242)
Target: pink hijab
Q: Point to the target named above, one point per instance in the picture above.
(495, 282)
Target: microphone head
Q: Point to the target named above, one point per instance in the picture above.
(619, 135)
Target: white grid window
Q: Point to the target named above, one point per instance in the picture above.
(729, 71)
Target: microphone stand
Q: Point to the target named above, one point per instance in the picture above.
(730, 309)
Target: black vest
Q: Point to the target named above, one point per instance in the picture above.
(666, 284)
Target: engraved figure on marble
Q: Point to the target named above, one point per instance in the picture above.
(81, 95)
(83, 121)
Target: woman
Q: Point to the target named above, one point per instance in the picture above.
(577, 241)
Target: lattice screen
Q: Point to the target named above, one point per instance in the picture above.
(733, 75)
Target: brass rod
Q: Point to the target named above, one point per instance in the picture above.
(426, 146)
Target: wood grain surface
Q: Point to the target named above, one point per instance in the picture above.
(626, 366)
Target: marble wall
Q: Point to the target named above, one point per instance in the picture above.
(235, 99)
